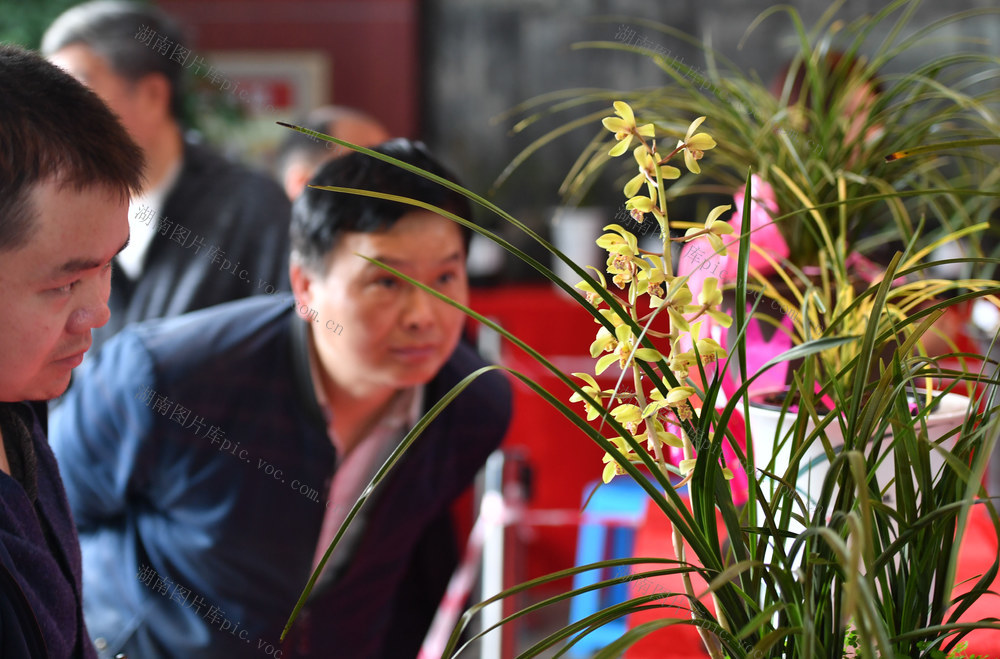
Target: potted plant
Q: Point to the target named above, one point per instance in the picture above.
(847, 573)
(837, 571)
(825, 196)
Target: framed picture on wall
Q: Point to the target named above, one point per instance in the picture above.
(243, 93)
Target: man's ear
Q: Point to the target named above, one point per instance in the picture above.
(302, 285)
(296, 176)
(155, 91)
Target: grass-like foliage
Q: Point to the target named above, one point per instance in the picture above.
(861, 564)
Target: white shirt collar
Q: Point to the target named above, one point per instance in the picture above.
(144, 221)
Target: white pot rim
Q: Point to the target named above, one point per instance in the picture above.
(950, 408)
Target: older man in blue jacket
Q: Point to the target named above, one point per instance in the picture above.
(210, 459)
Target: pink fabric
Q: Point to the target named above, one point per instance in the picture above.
(739, 484)
(698, 260)
(759, 352)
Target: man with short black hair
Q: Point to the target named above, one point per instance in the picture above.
(205, 230)
(67, 169)
(212, 458)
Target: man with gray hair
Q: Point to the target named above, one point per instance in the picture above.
(205, 230)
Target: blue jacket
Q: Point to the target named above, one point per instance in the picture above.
(40, 603)
(197, 463)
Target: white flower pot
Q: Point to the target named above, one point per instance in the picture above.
(768, 427)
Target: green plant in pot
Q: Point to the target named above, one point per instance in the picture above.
(792, 579)
(856, 520)
(862, 563)
(818, 138)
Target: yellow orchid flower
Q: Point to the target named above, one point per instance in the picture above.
(662, 436)
(679, 395)
(710, 350)
(624, 128)
(651, 278)
(605, 342)
(622, 247)
(648, 354)
(624, 269)
(619, 239)
(687, 466)
(656, 435)
(624, 349)
(681, 362)
(710, 295)
(628, 415)
(591, 389)
(605, 361)
(589, 292)
(677, 398)
(710, 298)
(679, 303)
(655, 404)
(611, 467)
(626, 339)
(714, 229)
(642, 205)
(622, 342)
(647, 172)
(695, 145)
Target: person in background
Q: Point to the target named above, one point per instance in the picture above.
(204, 230)
(212, 457)
(67, 169)
(299, 155)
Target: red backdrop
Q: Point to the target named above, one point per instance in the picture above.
(373, 46)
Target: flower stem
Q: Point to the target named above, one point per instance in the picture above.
(708, 639)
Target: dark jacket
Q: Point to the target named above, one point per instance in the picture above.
(198, 464)
(223, 235)
(40, 603)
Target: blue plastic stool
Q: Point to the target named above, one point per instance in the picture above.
(608, 531)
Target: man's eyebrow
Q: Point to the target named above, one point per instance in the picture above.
(79, 265)
(398, 263)
(457, 256)
(387, 260)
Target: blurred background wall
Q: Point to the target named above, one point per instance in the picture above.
(482, 58)
(447, 70)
